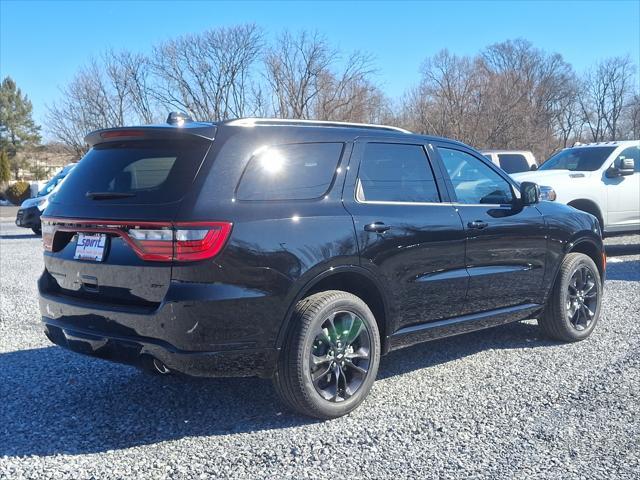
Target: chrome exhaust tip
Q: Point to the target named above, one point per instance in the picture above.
(160, 367)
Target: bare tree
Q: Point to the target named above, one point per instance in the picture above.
(208, 74)
(509, 95)
(450, 99)
(136, 73)
(293, 70)
(111, 91)
(605, 94)
(633, 117)
(307, 81)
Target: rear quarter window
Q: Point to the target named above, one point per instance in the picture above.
(301, 171)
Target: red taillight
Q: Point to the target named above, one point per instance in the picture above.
(197, 242)
(151, 241)
(153, 244)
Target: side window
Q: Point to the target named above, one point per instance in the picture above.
(631, 152)
(473, 181)
(391, 172)
(302, 171)
(513, 162)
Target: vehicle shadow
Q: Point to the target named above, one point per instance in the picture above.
(515, 335)
(619, 250)
(628, 271)
(57, 402)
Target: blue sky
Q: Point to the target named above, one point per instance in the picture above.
(42, 44)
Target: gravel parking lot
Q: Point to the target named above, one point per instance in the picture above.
(499, 403)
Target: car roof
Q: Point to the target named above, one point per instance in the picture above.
(208, 129)
(342, 129)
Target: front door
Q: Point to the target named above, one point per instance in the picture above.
(506, 243)
(406, 234)
(623, 194)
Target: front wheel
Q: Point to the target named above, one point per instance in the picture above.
(331, 356)
(573, 308)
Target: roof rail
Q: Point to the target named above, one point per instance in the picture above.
(250, 122)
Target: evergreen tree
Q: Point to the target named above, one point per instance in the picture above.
(17, 128)
(5, 167)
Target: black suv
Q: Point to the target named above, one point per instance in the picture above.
(302, 251)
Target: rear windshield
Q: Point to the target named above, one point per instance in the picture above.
(513, 162)
(139, 172)
(586, 159)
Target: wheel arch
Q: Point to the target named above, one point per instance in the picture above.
(589, 206)
(352, 279)
(591, 249)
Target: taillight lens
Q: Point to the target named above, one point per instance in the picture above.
(48, 232)
(155, 241)
(200, 242)
(155, 245)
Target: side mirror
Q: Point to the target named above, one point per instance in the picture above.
(534, 167)
(529, 193)
(621, 167)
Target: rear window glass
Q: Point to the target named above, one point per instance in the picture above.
(301, 171)
(139, 172)
(513, 162)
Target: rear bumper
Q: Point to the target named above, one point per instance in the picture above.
(141, 352)
(28, 217)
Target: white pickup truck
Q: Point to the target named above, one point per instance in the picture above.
(600, 178)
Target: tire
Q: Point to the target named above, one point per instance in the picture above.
(37, 231)
(326, 323)
(578, 283)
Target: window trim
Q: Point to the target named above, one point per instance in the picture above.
(515, 192)
(358, 184)
(334, 177)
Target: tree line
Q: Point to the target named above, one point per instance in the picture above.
(509, 95)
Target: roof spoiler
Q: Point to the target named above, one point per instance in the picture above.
(205, 131)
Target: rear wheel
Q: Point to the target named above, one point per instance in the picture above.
(331, 355)
(37, 231)
(573, 308)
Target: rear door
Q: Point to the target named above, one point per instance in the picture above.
(108, 231)
(506, 244)
(408, 233)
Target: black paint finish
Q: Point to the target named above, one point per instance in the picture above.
(426, 276)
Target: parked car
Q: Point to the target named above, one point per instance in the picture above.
(512, 161)
(29, 213)
(302, 251)
(600, 178)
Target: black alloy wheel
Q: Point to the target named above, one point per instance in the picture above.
(573, 305)
(582, 298)
(330, 358)
(340, 356)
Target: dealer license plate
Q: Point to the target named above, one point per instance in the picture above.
(90, 246)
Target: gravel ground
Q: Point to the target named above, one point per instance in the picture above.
(499, 403)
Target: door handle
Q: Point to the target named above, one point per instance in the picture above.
(477, 224)
(376, 227)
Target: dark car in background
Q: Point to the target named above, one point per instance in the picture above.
(30, 211)
(302, 252)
